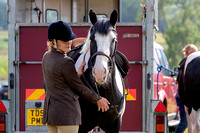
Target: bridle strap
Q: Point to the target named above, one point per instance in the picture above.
(113, 98)
(103, 54)
(111, 60)
(112, 73)
(86, 81)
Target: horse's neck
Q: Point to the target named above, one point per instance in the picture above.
(118, 80)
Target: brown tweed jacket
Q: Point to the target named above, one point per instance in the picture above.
(63, 88)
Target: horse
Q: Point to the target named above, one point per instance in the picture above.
(101, 74)
(191, 90)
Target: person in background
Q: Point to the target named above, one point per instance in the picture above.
(62, 112)
(184, 120)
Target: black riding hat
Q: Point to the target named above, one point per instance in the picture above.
(60, 30)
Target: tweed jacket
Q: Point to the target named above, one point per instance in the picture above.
(180, 79)
(63, 88)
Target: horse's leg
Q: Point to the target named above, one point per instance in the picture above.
(86, 128)
(113, 127)
(89, 119)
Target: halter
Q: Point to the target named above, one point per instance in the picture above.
(93, 48)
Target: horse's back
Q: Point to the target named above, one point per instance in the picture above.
(192, 80)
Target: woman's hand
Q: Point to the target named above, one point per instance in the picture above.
(81, 68)
(103, 104)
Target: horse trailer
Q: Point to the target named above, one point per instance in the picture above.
(28, 22)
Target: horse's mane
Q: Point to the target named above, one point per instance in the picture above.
(86, 46)
(102, 26)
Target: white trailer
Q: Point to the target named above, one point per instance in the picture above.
(28, 21)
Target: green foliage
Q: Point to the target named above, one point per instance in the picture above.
(182, 26)
(3, 67)
(177, 36)
(131, 10)
(159, 38)
(3, 40)
(3, 55)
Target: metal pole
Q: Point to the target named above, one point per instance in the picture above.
(150, 57)
(11, 125)
(86, 10)
(60, 9)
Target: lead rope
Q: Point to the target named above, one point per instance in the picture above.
(89, 86)
(99, 97)
(159, 69)
(114, 104)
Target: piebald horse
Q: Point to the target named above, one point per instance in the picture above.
(102, 75)
(191, 90)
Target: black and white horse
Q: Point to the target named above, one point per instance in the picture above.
(191, 82)
(102, 75)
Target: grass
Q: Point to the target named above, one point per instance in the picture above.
(3, 55)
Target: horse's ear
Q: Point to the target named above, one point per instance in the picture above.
(93, 16)
(113, 17)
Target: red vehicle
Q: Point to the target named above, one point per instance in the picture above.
(165, 86)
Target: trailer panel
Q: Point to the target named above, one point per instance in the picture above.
(32, 45)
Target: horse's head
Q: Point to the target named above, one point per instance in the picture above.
(102, 41)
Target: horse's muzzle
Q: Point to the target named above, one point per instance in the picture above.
(101, 74)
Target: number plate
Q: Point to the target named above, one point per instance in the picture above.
(34, 116)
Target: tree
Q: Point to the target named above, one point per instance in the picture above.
(131, 10)
(182, 26)
(177, 36)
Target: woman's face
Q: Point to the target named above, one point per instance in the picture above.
(64, 46)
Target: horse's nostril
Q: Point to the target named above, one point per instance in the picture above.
(104, 70)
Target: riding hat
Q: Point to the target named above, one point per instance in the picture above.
(60, 30)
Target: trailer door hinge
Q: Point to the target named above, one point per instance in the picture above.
(17, 63)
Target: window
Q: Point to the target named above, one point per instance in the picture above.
(51, 15)
(99, 16)
(131, 10)
(155, 66)
(163, 61)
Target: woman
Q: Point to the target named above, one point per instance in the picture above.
(63, 86)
